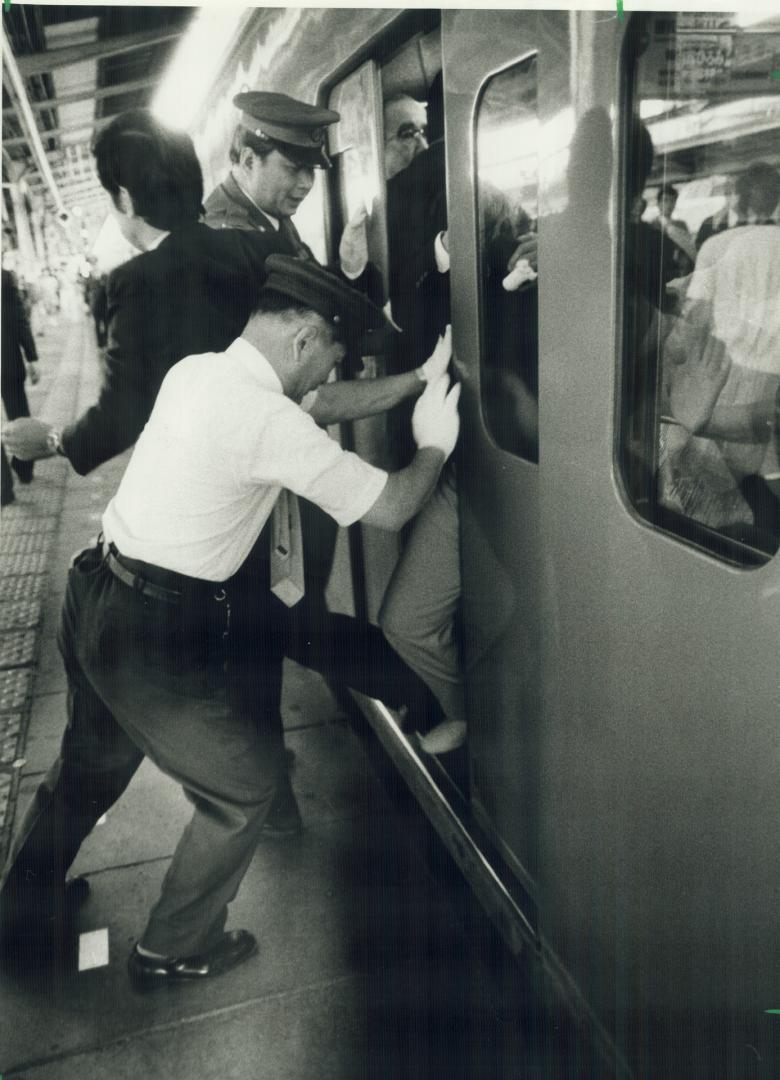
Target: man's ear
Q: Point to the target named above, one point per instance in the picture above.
(124, 202)
(303, 341)
(246, 157)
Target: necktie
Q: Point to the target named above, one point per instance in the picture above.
(286, 538)
(287, 550)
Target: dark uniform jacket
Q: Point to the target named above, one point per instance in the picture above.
(191, 294)
(227, 207)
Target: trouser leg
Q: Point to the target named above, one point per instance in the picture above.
(419, 609)
(343, 649)
(208, 720)
(94, 766)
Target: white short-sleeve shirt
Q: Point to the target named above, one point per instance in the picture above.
(220, 444)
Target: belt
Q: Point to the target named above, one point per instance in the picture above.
(133, 573)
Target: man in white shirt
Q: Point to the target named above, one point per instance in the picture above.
(160, 638)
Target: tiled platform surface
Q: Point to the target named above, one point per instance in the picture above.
(364, 973)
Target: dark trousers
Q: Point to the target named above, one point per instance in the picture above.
(16, 405)
(180, 683)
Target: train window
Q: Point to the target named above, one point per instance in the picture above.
(507, 171)
(700, 429)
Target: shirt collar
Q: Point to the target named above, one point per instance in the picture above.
(156, 243)
(247, 196)
(252, 359)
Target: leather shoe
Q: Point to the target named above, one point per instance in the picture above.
(148, 972)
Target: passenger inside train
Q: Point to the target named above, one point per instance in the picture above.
(710, 306)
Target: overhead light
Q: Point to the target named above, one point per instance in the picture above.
(195, 64)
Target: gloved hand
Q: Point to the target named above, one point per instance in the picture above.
(353, 248)
(438, 362)
(435, 421)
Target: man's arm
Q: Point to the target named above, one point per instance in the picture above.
(132, 379)
(406, 491)
(354, 399)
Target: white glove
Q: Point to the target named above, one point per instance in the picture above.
(438, 362)
(435, 420)
(353, 248)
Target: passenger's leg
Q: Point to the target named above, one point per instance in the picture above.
(345, 650)
(95, 765)
(419, 610)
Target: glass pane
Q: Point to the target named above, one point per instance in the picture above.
(702, 280)
(507, 169)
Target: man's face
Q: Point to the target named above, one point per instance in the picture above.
(666, 205)
(326, 351)
(275, 182)
(405, 122)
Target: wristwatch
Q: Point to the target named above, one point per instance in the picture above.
(53, 442)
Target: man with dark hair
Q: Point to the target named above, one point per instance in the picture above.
(159, 634)
(675, 229)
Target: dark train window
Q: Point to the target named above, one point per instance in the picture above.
(507, 171)
(700, 429)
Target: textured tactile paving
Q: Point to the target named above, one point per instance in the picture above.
(17, 522)
(5, 794)
(14, 688)
(20, 614)
(24, 563)
(23, 587)
(10, 730)
(17, 648)
(24, 544)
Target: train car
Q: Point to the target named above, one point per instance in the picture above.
(620, 621)
(612, 193)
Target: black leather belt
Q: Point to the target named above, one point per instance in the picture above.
(138, 576)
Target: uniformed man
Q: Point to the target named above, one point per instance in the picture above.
(158, 632)
(276, 146)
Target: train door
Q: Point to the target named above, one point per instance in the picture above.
(494, 108)
(404, 62)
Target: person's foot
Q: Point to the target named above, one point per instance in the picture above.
(447, 736)
(150, 972)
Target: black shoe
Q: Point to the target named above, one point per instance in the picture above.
(147, 972)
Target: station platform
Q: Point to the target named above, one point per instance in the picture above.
(366, 969)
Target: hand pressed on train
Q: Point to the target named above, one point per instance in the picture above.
(439, 360)
(528, 250)
(353, 247)
(27, 439)
(435, 421)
